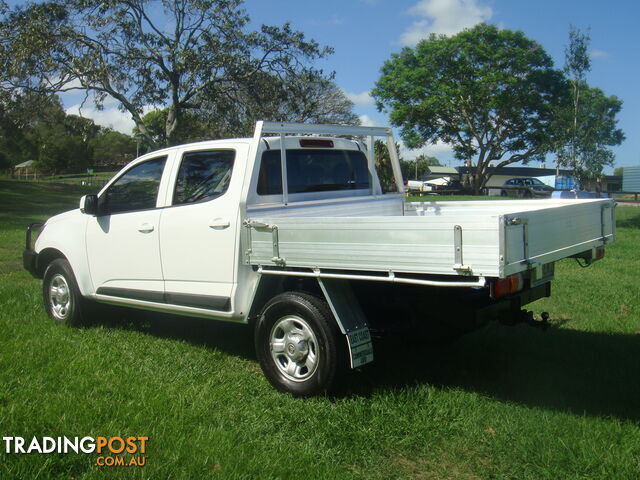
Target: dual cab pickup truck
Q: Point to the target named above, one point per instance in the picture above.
(291, 233)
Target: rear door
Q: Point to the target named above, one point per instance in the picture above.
(198, 229)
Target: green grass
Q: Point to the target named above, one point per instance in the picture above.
(502, 403)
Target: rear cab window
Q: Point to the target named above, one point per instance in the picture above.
(313, 170)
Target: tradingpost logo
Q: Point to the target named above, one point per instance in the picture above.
(112, 451)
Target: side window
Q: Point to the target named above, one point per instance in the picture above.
(203, 176)
(313, 171)
(137, 189)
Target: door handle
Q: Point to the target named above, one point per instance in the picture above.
(146, 228)
(219, 223)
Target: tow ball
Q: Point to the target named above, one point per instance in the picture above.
(529, 319)
(526, 316)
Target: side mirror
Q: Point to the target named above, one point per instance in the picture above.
(89, 204)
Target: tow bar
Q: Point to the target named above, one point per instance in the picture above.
(526, 316)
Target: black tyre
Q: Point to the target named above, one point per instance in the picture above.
(62, 299)
(299, 346)
(503, 193)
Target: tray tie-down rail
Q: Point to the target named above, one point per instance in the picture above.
(277, 259)
(459, 265)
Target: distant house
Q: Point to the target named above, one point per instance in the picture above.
(608, 183)
(25, 169)
(439, 172)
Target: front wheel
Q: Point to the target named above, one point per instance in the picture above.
(62, 298)
(299, 347)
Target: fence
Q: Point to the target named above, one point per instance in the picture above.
(96, 181)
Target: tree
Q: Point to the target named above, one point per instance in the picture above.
(35, 127)
(586, 126)
(489, 93)
(112, 148)
(173, 54)
(305, 98)
(19, 116)
(418, 168)
(577, 63)
(383, 165)
(23, 121)
(192, 128)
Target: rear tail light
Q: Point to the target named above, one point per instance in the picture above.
(502, 287)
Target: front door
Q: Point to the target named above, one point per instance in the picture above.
(123, 240)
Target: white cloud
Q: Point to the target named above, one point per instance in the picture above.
(333, 20)
(336, 20)
(363, 99)
(599, 54)
(367, 121)
(75, 83)
(110, 116)
(438, 150)
(445, 17)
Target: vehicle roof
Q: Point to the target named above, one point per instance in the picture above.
(272, 142)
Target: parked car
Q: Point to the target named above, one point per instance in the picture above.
(525, 188)
(452, 187)
(414, 186)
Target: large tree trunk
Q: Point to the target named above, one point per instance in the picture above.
(171, 128)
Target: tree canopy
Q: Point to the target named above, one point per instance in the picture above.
(585, 126)
(36, 127)
(176, 55)
(303, 98)
(489, 93)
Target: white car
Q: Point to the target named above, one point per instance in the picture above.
(292, 233)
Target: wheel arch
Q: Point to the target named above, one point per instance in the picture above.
(271, 285)
(45, 257)
(343, 302)
(77, 262)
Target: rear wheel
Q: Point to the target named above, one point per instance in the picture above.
(62, 298)
(300, 349)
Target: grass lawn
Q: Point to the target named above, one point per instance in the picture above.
(502, 403)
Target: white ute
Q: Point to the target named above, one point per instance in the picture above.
(292, 233)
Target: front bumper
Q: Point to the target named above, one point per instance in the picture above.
(30, 262)
(30, 256)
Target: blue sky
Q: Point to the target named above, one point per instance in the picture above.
(364, 33)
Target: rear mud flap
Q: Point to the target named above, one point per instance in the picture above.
(351, 320)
